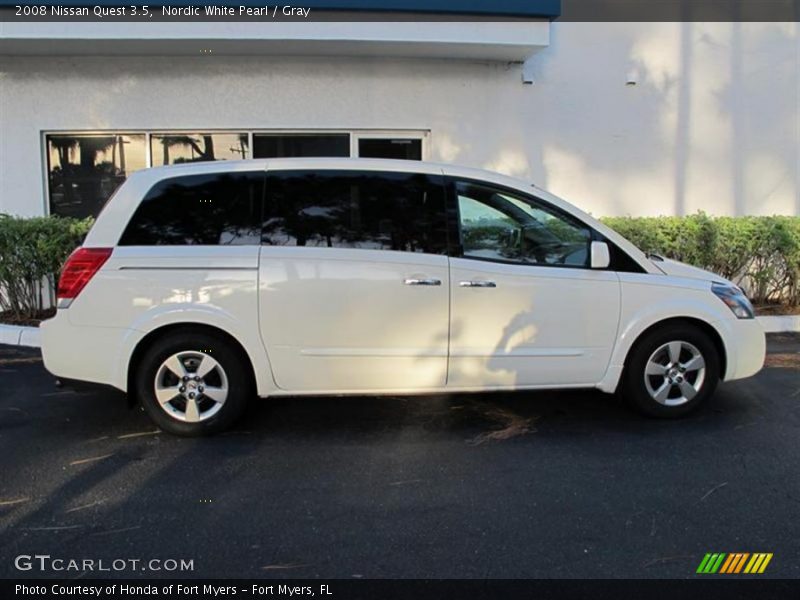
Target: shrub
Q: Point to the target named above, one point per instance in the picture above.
(32, 252)
(762, 254)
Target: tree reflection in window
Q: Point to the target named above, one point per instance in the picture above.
(215, 209)
(355, 209)
(85, 170)
(177, 148)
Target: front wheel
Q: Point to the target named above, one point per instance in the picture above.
(193, 384)
(671, 371)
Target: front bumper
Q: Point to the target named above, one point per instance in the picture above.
(746, 348)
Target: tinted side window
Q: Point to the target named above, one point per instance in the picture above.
(355, 209)
(211, 210)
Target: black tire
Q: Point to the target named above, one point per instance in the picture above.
(231, 371)
(634, 387)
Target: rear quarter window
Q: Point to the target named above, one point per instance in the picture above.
(215, 209)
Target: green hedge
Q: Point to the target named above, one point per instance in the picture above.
(32, 252)
(762, 254)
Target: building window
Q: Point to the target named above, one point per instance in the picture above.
(403, 148)
(84, 170)
(285, 145)
(175, 148)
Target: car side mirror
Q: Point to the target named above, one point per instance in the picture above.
(600, 255)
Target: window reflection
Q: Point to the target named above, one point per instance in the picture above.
(84, 170)
(176, 148)
(211, 210)
(498, 226)
(370, 210)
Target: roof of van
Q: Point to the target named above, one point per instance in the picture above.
(372, 164)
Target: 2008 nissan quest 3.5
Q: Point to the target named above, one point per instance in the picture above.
(202, 285)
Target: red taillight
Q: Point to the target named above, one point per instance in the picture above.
(78, 270)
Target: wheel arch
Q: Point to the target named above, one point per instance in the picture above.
(159, 333)
(700, 324)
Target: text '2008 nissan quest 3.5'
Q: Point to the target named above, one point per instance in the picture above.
(203, 285)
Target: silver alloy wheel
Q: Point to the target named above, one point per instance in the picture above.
(191, 386)
(674, 373)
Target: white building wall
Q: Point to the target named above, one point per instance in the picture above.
(712, 123)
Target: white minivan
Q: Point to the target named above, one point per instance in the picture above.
(203, 285)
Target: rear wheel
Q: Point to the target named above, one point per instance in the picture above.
(671, 371)
(193, 384)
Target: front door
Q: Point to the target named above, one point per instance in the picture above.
(354, 280)
(526, 308)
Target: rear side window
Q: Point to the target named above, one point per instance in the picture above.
(355, 209)
(215, 209)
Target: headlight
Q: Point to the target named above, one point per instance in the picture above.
(735, 299)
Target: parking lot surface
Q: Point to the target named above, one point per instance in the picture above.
(567, 484)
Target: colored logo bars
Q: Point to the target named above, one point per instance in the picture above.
(737, 562)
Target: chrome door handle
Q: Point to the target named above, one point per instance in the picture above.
(478, 284)
(413, 281)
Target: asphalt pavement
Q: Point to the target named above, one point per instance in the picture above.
(525, 485)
